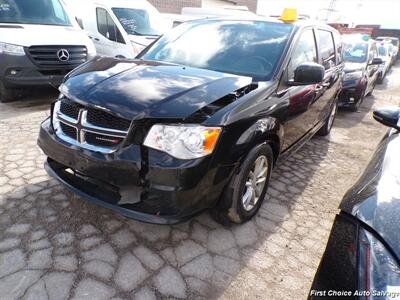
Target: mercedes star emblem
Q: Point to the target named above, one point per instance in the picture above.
(63, 55)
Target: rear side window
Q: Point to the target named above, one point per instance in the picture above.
(107, 27)
(305, 51)
(339, 47)
(327, 49)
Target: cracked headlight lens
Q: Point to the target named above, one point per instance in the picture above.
(183, 141)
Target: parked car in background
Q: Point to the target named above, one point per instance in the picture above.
(120, 28)
(227, 11)
(385, 54)
(363, 252)
(40, 42)
(197, 121)
(361, 71)
(393, 40)
(177, 19)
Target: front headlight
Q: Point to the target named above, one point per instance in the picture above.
(379, 273)
(183, 141)
(11, 49)
(353, 75)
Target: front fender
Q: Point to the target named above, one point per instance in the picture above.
(264, 130)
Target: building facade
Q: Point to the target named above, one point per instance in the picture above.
(175, 6)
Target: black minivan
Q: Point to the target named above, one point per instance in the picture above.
(197, 121)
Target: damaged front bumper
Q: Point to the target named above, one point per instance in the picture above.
(135, 181)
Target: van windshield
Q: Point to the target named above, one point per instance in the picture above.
(43, 12)
(138, 21)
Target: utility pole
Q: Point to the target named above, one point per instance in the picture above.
(330, 10)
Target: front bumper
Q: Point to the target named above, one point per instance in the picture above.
(351, 92)
(138, 183)
(20, 71)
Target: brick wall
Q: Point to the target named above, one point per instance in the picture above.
(251, 4)
(174, 6)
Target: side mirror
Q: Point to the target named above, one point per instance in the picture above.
(308, 73)
(80, 22)
(376, 61)
(388, 116)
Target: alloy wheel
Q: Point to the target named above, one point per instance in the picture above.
(255, 183)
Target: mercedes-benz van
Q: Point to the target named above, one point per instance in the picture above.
(121, 28)
(40, 42)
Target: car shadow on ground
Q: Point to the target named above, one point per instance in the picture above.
(33, 100)
(343, 120)
(46, 229)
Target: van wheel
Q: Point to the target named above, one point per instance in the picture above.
(245, 193)
(7, 95)
(326, 129)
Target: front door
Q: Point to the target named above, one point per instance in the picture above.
(301, 107)
(108, 38)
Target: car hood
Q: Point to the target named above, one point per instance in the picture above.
(29, 35)
(144, 89)
(375, 198)
(350, 67)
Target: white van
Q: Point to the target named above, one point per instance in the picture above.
(40, 42)
(122, 28)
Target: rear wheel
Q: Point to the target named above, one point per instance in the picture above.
(326, 129)
(245, 193)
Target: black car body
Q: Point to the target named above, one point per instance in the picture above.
(361, 71)
(363, 252)
(109, 107)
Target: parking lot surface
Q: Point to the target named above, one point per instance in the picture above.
(54, 245)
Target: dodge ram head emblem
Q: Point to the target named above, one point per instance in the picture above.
(63, 55)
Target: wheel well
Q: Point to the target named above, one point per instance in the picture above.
(274, 142)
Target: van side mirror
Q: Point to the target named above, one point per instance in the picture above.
(388, 116)
(376, 61)
(80, 22)
(308, 73)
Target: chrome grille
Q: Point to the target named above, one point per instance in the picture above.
(72, 124)
(47, 56)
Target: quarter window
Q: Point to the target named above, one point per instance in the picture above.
(304, 52)
(107, 27)
(327, 49)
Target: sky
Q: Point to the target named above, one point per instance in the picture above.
(383, 12)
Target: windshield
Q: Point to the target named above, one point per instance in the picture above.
(355, 52)
(44, 12)
(139, 21)
(382, 51)
(250, 48)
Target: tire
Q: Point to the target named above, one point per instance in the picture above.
(326, 129)
(231, 207)
(7, 95)
(373, 88)
(356, 106)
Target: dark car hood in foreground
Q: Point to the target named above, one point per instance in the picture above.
(375, 198)
(135, 88)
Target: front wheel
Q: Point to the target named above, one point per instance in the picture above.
(245, 193)
(326, 129)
